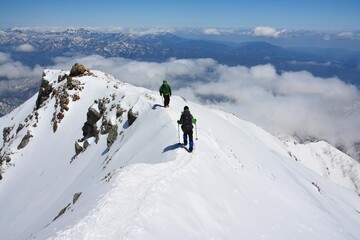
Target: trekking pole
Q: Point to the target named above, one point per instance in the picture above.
(196, 131)
(178, 133)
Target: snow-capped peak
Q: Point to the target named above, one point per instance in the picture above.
(91, 157)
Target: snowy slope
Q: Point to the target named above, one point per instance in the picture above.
(239, 183)
(327, 161)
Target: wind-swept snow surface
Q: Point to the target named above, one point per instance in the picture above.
(239, 183)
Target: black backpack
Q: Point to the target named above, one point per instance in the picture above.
(187, 120)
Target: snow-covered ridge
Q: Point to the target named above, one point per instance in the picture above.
(327, 161)
(101, 160)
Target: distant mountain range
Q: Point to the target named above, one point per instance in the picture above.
(163, 45)
(44, 46)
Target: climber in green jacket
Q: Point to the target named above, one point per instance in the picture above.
(165, 90)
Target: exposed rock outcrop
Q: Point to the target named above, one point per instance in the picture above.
(77, 70)
(44, 93)
(25, 141)
(81, 146)
(132, 116)
(20, 127)
(90, 128)
(113, 133)
(62, 211)
(6, 133)
(76, 197)
(68, 206)
(119, 111)
(100, 110)
(5, 158)
(93, 115)
(78, 148)
(63, 96)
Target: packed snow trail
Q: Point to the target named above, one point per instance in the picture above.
(162, 201)
(240, 182)
(118, 212)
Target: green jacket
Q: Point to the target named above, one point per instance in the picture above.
(165, 89)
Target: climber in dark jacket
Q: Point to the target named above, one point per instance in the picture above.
(165, 90)
(187, 120)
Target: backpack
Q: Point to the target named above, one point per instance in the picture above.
(165, 89)
(187, 120)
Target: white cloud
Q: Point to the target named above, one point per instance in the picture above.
(146, 74)
(15, 75)
(295, 62)
(266, 32)
(4, 57)
(212, 31)
(115, 29)
(293, 102)
(14, 70)
(141, 32)
(217, 31)
(25, 48)
(348, 36)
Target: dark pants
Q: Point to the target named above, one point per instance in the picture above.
(190, 134)
(166, 100)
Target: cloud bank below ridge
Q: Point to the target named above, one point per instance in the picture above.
(295, 103)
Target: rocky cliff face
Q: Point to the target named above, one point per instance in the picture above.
(107, 116)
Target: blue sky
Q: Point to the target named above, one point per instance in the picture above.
(301, 14)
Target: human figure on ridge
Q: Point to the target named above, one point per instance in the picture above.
(187, 120)
(165, 90)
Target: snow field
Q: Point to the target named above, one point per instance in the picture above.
(239, 183)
